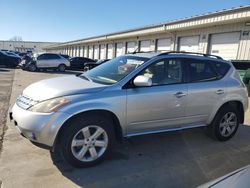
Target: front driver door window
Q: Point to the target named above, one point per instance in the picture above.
(159, 106)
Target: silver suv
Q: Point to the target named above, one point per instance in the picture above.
(131, 95)
(48, 61)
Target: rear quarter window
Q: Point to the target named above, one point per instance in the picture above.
(221, 68)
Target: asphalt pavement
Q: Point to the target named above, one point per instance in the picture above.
(175, 159)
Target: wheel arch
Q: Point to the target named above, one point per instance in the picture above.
(234, 103)
(100, 112)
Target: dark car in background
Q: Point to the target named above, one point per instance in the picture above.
(9, 60)
(92, 65)
(79, 62)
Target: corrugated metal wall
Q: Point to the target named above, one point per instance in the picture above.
(203, 46)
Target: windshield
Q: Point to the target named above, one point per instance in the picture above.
(114, 70)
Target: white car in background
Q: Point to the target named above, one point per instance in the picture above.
(48, 61)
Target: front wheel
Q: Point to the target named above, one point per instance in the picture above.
(225, 123)
(86, 141)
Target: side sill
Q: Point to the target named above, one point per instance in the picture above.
(164, 130)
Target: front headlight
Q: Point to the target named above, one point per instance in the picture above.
(49, 105)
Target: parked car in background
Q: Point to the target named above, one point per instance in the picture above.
(12, 54)
(79, 62)
(9, 60)
(22, 54)
(92, 65)
(81, 116)
(48, 61)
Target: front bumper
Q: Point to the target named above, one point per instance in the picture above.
(40, 128)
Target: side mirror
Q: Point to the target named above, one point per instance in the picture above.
(143, 81)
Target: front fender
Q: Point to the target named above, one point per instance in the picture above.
(80, 107)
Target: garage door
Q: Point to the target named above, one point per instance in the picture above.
(102, 55)
(110, 51)
(119, 49)
(96, 52)
(85, 51)
(131, 47)
(82, 51)
(189, 44)
(225, 45)
(145, 46)
(163, 44)
(91, 52)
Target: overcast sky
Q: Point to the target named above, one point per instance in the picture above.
(64, 20)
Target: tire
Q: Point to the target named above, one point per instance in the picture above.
(81, 132)
(32, 67)
(61, 68)
(222, 128)
(86, 68)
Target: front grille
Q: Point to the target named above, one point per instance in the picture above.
(25, 102)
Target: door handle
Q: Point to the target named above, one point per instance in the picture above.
(180, 94)
(219, 91)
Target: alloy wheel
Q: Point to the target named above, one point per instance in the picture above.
(89, 143)
(228, 124)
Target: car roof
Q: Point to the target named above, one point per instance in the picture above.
(179, 55)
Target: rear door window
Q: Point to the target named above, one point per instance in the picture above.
(201, 71)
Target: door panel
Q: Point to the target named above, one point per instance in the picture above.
(155, 108)
(202, 91)
(162, 105)
(201, 99)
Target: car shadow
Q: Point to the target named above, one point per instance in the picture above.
(174, 159)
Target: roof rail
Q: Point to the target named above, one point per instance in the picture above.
(195, 53)
(136, 52)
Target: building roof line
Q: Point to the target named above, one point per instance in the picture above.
(175, 21)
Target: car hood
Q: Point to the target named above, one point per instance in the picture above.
(239, 178)
(62, 86)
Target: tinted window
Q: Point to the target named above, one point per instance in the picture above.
(221, 68)
(241, 65)
(41, 57)
(88, 60)
(52, 56)
(200, 71)
(166, 71)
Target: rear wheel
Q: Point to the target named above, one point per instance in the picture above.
(86, 141)
(61, 68)
(32, 67)
(225, 123)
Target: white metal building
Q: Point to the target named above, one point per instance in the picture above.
(225, 33)
(23, 46)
